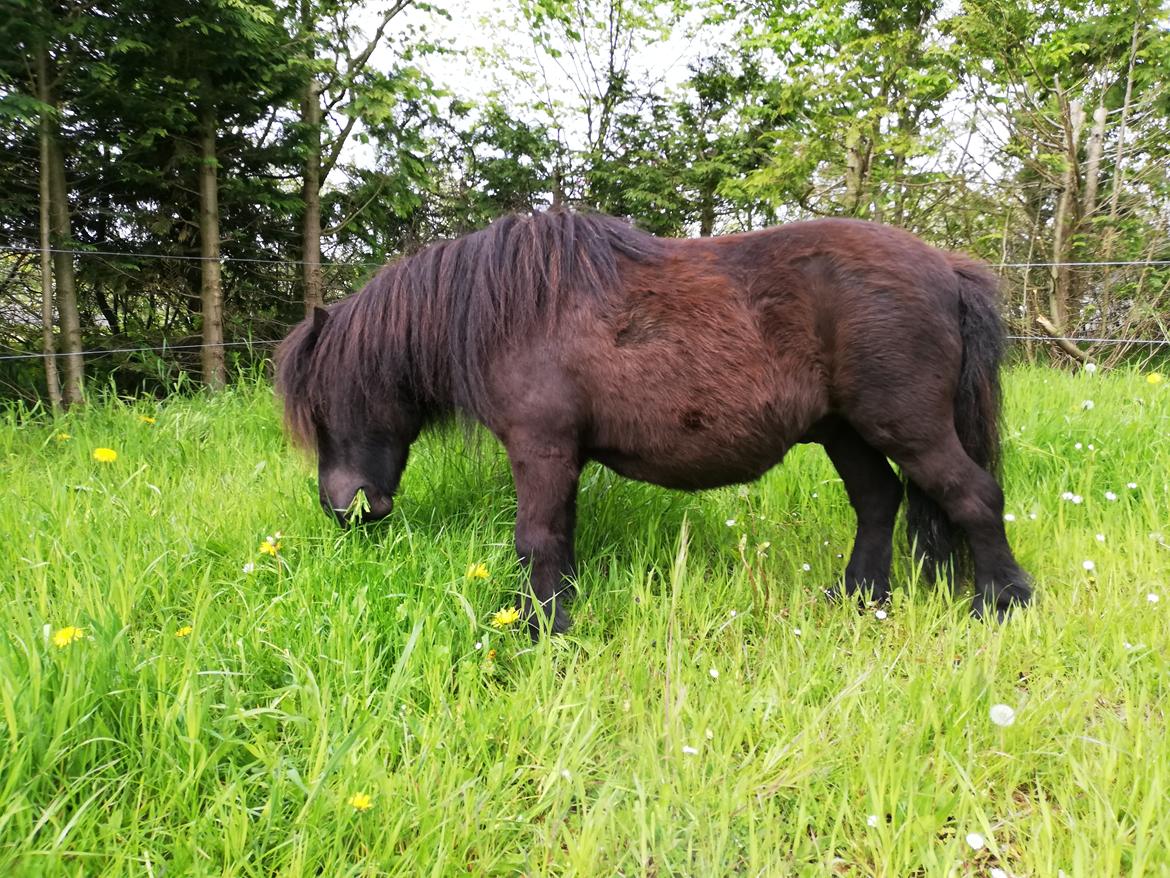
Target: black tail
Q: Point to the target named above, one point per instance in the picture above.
(977, 404)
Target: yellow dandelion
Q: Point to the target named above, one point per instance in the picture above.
(62, 637)
(185, 631)
(147, 419)
(506, 617)
(477, 571)
(63, 437)
(491, 655)
(105, 455)
(271, 545)
(1154, 378)
(360, 802)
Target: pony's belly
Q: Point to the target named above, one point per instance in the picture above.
(688, 474)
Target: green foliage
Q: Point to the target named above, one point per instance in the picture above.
(362, 662)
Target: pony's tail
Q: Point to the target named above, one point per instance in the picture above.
(977, 406)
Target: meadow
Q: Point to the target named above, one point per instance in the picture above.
(201, 675)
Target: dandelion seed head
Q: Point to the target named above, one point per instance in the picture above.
(1091, 368)
(1002, 715)
(1088, 564)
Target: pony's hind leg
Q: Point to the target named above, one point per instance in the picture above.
(546, 475)
(875, 493)
(973, 500)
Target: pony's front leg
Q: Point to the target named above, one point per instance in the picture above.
(546, 474)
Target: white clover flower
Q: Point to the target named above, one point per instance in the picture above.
(565, 773)
(1002, 715)
(998, 873)
(1131, 485)
(1100, 538)
(1078, 446)
(733, 614)
(1032, 515)
(1087, 405)
(976, 841)
(1077, 499)
(1067, 495)
(1088, 565)
(479, 644)
(1009, 517)
(1152, 598)
(730, 522)
(690, 751)
(249, 567)
(806, 567)
(714, 672)
(1110, 496)
(871, 820)
(879, 614)
(796, 631)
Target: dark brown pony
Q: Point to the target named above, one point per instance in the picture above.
(686, 363)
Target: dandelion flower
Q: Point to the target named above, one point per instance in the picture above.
(147, 419)
(477, 571)
(185, 631)
(360, 802)
(62, 637)
(1088, 565)
(1002, 715)
(506, 617)
(270, 547)
(1154, 378)
(1090, 368)
(105, 455)
(63, 437)
(976, 841)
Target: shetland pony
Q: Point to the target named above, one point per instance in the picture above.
(689, 364)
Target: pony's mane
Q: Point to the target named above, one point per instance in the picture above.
(422, 331)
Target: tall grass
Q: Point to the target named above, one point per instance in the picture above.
(709, 713)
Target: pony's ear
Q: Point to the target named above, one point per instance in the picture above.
(320, 318)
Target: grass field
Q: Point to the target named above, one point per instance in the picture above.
(346, 707)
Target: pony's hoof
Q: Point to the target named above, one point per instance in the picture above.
(552, 616)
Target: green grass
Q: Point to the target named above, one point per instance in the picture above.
(358, 662)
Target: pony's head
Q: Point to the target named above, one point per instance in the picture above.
(340, 404)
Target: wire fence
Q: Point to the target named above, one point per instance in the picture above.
(163, 348)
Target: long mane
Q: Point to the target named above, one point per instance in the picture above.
(424, 328)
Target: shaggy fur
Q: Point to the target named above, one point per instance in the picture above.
(686, 363)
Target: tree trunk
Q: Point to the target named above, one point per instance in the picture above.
(311, 194)
(856, 168)
(214, 371)
(48, 344)
(73, 391)
(1063, 296)
(1093, 161)
(707, 210)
